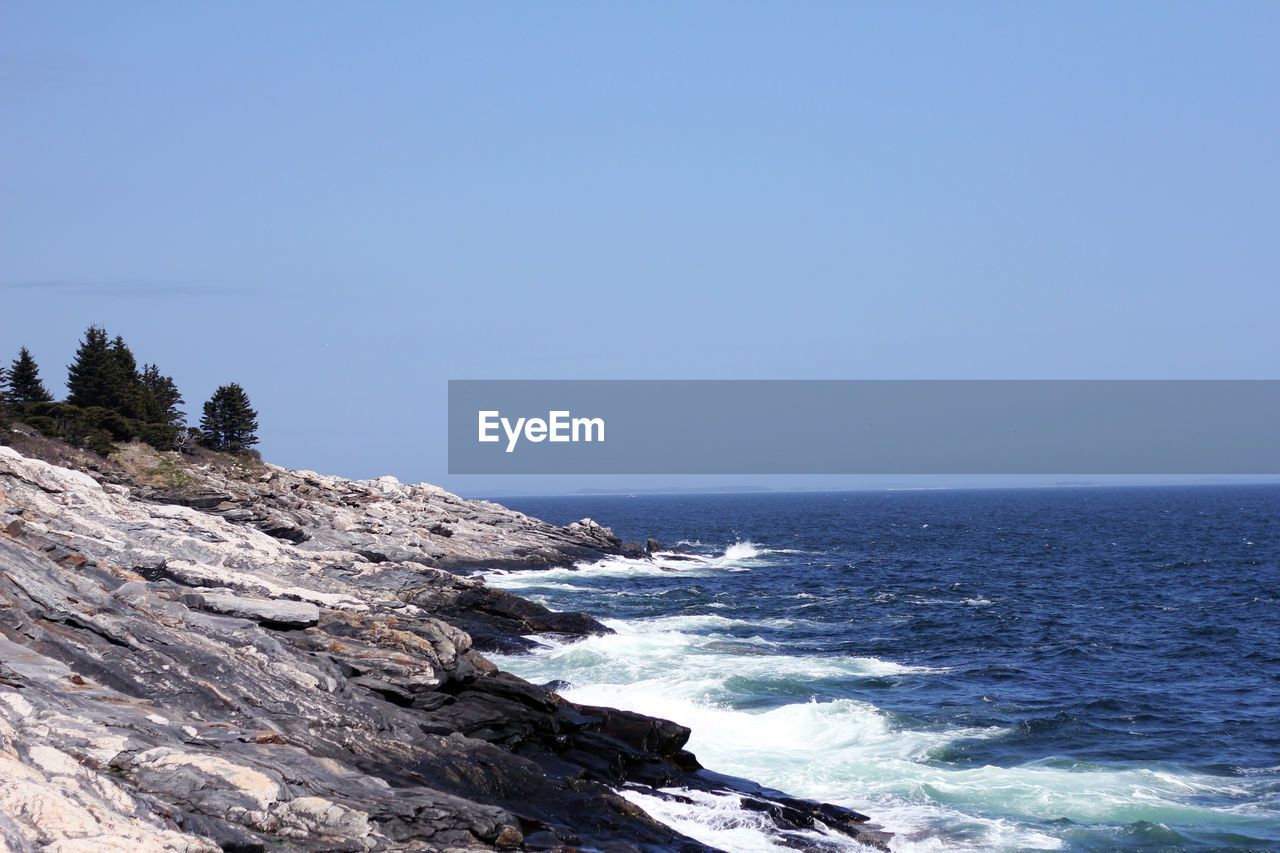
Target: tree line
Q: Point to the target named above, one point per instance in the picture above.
(109, 399)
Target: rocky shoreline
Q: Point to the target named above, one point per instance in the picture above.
(212, 655)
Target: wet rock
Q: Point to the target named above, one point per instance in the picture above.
(633, 549)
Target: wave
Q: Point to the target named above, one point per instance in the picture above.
(743, 550)
(661, 562)
(720, 821)
(667, 654)
(706, 622)
(732, 558)
(753, 713)
(575, 576)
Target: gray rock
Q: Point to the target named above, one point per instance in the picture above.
(270, 612)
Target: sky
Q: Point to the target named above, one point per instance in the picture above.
(342, 206)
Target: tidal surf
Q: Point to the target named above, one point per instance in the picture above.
(1075, 669)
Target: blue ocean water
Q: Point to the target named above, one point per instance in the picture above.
(1079, 669)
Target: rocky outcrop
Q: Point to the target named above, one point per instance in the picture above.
(179, 677)
(381, 520)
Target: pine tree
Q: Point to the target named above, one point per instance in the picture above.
(160, 398)
(24, 381)
(125, 391)
(105, 374)
(90, 376)
(229, 422)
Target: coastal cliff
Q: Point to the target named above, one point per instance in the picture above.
(221, 654)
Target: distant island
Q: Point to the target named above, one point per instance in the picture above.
(678, 490)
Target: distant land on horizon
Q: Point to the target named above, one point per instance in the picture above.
(759, 489)
(682, 490)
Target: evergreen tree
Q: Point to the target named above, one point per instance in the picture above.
(4, 385)
(229, 422)
(105, 374)
(125, 391)
(160, 398)
(90, 376)
(24, 381)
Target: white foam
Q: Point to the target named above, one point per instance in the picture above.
(744, 550)
(719, 821)
(704, 621)
(693, 669)
(613, 567)
(660, 563)
(668, 658)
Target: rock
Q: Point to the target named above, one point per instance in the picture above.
(268, 612)
(176, 678)
(199, 500)
(495, 619)
(652, 545)
(633, 549)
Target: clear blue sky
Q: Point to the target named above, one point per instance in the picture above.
(341, 206)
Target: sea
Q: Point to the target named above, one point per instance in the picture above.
(1073, 669)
